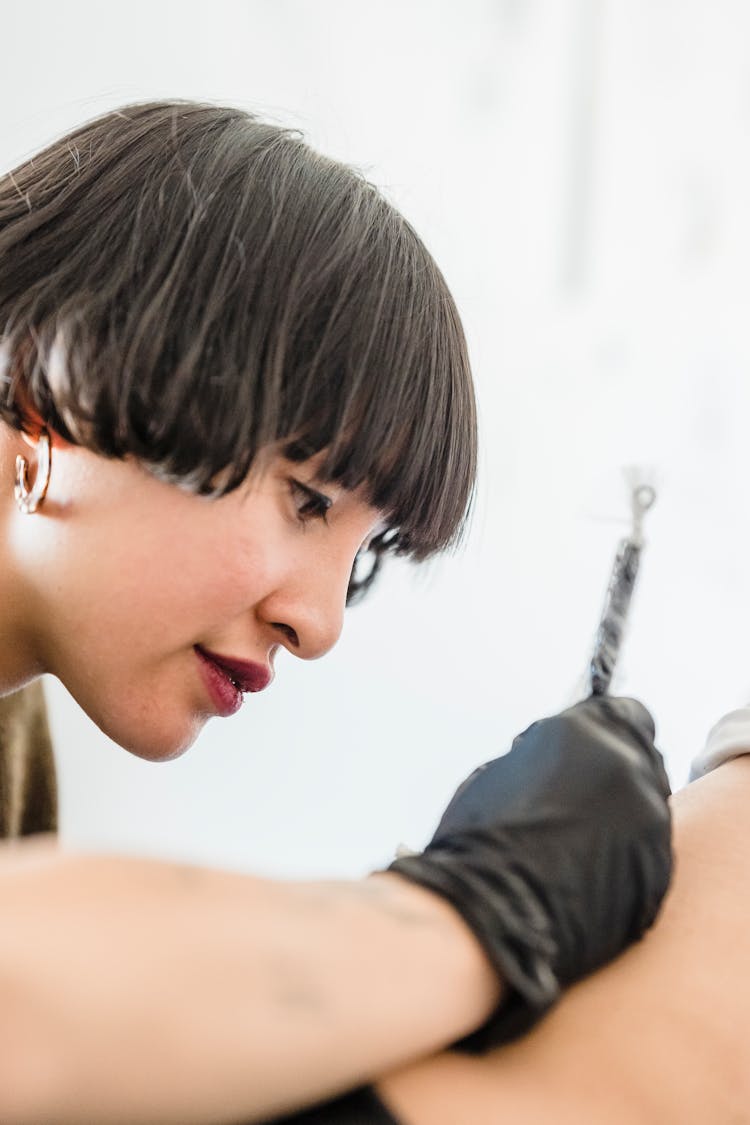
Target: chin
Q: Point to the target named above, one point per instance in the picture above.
(162, 746)
(145, 729)
(155, 742)
(159, 753)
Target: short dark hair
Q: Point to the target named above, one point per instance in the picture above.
(186, 284)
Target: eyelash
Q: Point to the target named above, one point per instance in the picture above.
(315, 506)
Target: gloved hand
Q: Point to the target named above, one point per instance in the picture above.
(557, 854)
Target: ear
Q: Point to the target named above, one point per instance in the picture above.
(32, 419)
(34, 426)
(33, 423)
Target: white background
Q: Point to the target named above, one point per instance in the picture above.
(579, 168)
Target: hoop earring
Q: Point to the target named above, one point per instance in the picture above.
(28, 500)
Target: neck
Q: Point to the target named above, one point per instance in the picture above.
(18, 664)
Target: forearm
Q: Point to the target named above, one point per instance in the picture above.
(142, 991)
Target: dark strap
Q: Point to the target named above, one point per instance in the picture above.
(362, 1107)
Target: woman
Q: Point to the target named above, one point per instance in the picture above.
(231, 372)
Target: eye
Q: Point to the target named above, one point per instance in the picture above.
(310, 504)
(377, 548)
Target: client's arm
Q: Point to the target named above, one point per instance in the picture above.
(139, 990)
(662, 1034)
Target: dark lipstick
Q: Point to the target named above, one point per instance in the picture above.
(227, 679)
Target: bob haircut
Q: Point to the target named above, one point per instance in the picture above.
(188, 285)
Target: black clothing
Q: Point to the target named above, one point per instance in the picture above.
(362, 1107)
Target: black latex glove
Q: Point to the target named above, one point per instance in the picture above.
(557, 854)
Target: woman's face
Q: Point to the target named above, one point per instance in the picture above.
(124, 582)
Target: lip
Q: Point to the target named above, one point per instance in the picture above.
(228, 678)
(247, 676)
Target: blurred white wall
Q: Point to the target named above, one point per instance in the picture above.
(581, 171)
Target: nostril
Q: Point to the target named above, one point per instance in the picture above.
(288, 632)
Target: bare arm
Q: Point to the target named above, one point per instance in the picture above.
(136, 990)
(660, 1035)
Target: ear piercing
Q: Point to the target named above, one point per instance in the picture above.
(29, 499)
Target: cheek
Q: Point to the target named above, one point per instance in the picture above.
(173, 591)
(125, 654)
(171, 601)
(115, 594)
(130, 578)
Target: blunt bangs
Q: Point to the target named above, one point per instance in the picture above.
(187, 285)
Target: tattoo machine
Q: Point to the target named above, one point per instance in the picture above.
(621, 584)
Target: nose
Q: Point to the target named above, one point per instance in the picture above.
(306, 613)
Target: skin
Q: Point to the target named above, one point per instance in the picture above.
(244, 575)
